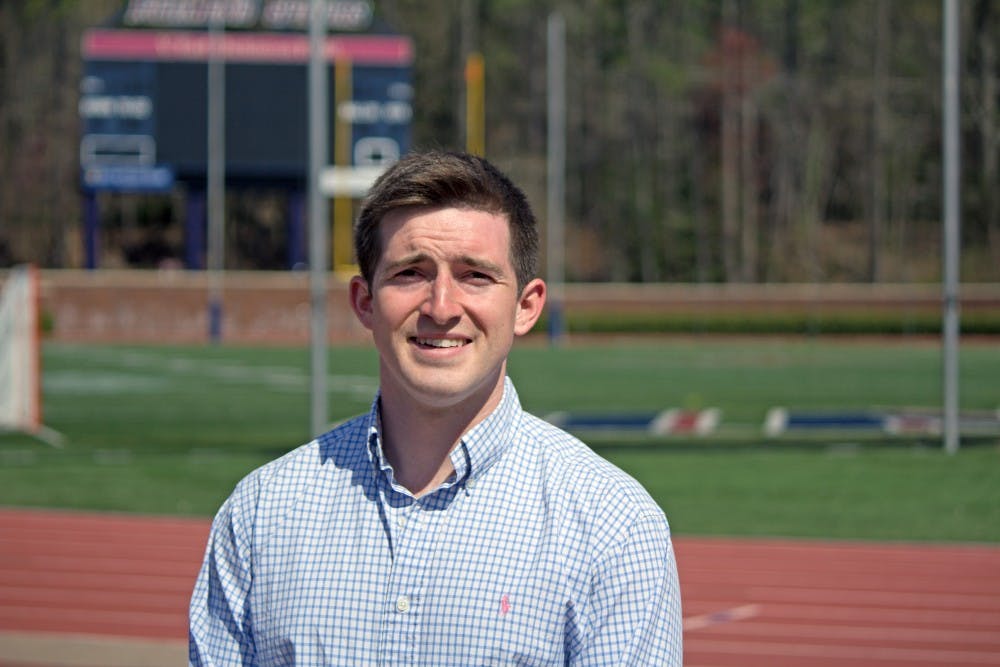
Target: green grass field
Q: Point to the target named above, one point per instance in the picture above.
(171, 430)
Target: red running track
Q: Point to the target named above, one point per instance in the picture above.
(91, 586)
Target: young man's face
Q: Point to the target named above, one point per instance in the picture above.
(444, 306)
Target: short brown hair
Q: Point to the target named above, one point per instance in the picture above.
(436, 179)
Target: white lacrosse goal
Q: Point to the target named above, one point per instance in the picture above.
(21, 355)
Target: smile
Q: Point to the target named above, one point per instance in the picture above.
(440, 342)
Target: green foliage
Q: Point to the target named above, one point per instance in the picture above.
(650, 86)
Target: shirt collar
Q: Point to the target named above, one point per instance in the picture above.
(478, 449)
(484, 443)
(374, 432)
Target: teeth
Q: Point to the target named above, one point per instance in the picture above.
(439, 342)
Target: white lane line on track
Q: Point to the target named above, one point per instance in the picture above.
(731, 615)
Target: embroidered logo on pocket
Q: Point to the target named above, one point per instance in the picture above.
(504, 605)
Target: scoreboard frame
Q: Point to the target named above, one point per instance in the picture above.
(143, 104)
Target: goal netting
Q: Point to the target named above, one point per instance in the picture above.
(20, 353)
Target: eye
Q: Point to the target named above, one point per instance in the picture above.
(479, 278)
(407, 274)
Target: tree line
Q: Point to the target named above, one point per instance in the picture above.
(707, 140)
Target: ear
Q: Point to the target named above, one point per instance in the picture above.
(361, 301)
(529, 306)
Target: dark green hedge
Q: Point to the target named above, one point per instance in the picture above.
(772, 323)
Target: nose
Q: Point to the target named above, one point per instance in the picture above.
(441, 304)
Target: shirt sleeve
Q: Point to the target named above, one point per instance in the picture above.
(633, 616)
(220, 631)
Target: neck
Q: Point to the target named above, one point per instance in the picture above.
(417, 439)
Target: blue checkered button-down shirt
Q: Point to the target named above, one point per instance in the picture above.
(536, 552)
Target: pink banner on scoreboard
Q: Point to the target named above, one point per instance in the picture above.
(256, 47)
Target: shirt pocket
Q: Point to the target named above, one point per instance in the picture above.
(501, 629)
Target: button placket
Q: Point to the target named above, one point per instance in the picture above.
(405, 578)
(405, 585)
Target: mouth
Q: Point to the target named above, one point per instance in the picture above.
(438, 343)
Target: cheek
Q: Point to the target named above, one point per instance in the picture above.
(399, 318)
(499, 322)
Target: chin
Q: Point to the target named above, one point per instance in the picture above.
(443, 394)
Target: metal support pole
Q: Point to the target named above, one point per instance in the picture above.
(296, 230)
(556, 173)
(91, 231)
(216, 175)
(952, 222)
(194, 230)
(343, 204)
(318, 215)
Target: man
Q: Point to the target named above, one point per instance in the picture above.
(446, 526)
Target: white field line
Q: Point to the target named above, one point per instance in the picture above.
(279, 378)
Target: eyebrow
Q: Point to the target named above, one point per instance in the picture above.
(468, 260)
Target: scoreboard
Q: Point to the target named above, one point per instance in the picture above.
(143, 103)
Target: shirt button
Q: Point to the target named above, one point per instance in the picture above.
(471, 484)
(403, 604)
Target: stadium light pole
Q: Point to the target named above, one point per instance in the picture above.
(556, 33)
(318, 215)
(216, 177)
(952, 222)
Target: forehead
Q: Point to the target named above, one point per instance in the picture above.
(445, 229)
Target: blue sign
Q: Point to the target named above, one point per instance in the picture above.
(380, 113)
(118, 114)
(128, 179)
